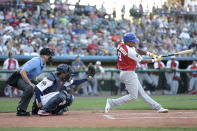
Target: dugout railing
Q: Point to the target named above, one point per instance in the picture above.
(110, 79)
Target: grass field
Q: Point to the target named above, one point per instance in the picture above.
(185, 102)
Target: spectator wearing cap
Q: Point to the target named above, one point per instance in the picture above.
(92, 48)
(24, 25)
(172, 77)
(184, 34)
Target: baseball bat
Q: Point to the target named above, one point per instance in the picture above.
(180, 53)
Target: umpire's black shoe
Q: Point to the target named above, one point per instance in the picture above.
(34, 110)
(21, 112)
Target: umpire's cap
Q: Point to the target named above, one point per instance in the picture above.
(47, 51)
(130, 37)
(64, 68)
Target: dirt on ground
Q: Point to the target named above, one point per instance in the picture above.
(96, 118)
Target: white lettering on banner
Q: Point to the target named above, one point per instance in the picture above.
(122, 50)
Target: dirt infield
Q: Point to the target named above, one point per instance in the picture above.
(96, 118)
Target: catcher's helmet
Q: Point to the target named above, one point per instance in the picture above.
(130, 37)
(47, 51)
(64, 68)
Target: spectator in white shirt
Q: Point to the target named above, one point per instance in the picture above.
(184, 34)
(23, 25)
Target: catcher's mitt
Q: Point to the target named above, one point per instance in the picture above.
(91, 71)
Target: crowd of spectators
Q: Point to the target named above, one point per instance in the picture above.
(88, 30)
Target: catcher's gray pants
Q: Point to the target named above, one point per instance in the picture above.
(27, 94)
(130, 79)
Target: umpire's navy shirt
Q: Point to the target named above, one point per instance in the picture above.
(33, 67)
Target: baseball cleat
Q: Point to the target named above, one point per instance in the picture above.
(43, 113)
(108, 105)
(21, 112)
(162, 110)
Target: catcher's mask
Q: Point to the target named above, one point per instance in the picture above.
(64, 68)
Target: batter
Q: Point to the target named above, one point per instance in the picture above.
(128, 57)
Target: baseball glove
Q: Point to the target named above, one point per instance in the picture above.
(91, 71)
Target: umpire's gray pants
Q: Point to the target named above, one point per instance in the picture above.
(27, 94)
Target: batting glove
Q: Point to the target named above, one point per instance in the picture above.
(152, 55)
(159, 58)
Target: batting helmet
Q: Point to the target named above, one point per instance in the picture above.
(64, 68)
(47, 51)
(130, 37)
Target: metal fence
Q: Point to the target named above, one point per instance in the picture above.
(111, 79)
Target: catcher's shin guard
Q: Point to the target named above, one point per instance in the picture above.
(54, 102)
(60, 110)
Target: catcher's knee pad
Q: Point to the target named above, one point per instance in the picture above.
(63, 95)
(69, 99)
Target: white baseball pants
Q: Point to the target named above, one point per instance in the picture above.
(130, 79)
(193, 83)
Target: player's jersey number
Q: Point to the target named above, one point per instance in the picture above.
(119, 56)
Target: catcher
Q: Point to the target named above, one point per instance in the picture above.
(52, 97)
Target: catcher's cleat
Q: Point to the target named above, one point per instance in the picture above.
(162, 110)
(43, 113)
(60, 112)
(108, 105)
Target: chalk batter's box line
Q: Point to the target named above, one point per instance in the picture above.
(129, 118)
(122, 113)
(121, 116)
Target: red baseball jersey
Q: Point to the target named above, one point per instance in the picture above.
(158, 65)
(192, 67)
(127, 57)
(171, 64)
